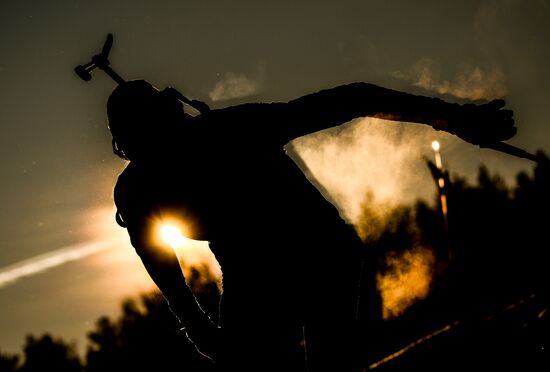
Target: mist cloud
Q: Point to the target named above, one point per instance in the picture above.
(237, 85)
(471, 82)
(369, 161)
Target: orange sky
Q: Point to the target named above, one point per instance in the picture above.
(58, 169)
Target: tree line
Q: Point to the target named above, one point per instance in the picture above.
(422, 271)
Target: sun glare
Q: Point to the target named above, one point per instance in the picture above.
(172, 235)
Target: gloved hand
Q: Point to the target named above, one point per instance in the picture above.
(479, 124)
(173, 93)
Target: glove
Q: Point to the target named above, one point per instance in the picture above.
(479, 124)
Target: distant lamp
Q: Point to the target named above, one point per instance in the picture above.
(436, 146)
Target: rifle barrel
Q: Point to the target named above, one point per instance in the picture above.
(511, 150)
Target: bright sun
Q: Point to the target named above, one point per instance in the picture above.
(172, 235)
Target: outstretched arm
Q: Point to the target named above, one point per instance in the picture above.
(477, 124)
(163, 266)
(137, 195)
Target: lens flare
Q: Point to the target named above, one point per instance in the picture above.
(173, 236)
(170, 232)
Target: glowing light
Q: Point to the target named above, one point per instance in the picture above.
(171, 233)
(436, 146)
(444, 206)
(173, 236)
(441, 183)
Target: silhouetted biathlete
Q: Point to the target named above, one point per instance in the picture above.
(289, 261)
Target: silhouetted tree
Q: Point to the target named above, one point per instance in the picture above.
(532, 208)
(497, 236)
(146, 336)
(8, 362)
(48, 354)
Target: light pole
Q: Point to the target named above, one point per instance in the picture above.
(441, 178)
(440, 181)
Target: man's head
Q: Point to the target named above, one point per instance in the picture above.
(139, 116)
